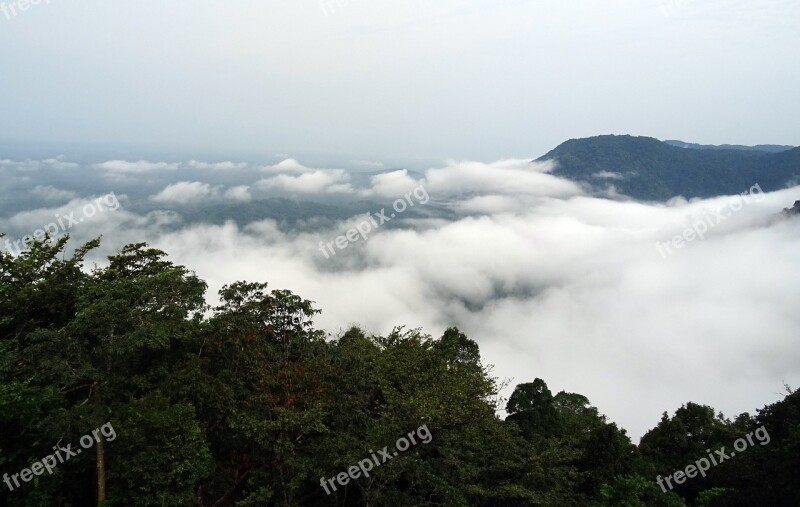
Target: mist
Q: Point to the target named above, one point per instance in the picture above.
(550, 279)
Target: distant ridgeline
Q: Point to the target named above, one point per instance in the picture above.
(648, 169)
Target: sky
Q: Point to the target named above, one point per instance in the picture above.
(393, 81)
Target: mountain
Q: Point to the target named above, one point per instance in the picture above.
(794, 210)
(770, 148)
(648, 169)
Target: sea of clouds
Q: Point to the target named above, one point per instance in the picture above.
(553, 280)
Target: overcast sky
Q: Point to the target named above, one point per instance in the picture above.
(477, 79)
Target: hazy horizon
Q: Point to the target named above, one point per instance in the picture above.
(477, 79)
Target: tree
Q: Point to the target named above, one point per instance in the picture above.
(129, 323)
(531, 407)
(251, 404)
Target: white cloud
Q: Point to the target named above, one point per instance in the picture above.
(60, 163)
(551, 283)
(316, 182)
(239, 193)
(570, 289)
(608, 175)
(33, 165)
(219, 166)
(184, 192)
(392, 184)
(289, 165)
(141, 166)
(506, 177)
(51, 193)
(21, 165)
(83, 218)
(488, 204)
(368, 163)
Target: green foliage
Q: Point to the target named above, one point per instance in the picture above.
(709, 497)
(679, 441)
(635, 491)
(531, 407)
(250, 404)
(649, 169)
(160, 454)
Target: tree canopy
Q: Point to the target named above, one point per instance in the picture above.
(249, 404)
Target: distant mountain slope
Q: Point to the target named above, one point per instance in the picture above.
(770, 148)
(649, 169)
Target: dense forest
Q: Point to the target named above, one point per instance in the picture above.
(245, 404)
(648, 169)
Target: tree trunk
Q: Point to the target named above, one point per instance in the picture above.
(101, 471)
(100, 452)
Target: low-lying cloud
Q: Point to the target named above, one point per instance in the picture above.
(184, 192)
(141, 166)
(315, 182)
(51, 193)
(552, 282)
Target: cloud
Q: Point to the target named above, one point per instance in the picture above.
(142, 166)
(608, 175)
(488, 205)
(506, 177)
(50, 193)
(239, 193)
(60, 163)
(569, 288)
(21, 165)
(33, 165)
(184, 192)
(392, 184)
(289, 165)
(83, 218)
(330, 181)
(550, 282)
(368, 163)
(219, 166)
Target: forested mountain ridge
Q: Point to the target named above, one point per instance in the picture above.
(250, 404)
(648, 169)
(770, 148)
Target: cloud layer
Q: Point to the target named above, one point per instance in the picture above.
(551, 281)
(184, 192)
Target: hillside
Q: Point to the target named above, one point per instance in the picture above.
(649, 169)
(771, 148)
